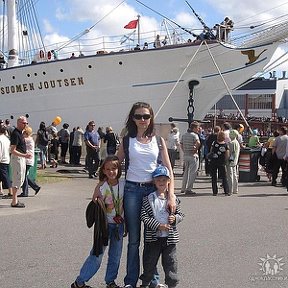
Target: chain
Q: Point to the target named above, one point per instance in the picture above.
(190, 107)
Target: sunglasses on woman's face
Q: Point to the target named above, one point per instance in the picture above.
(144, 116)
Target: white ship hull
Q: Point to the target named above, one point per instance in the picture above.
(103, 87)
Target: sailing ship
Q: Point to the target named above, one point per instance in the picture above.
(177, 79)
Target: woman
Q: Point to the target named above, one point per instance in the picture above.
(144, 152)
(42, 143)
(219, 157)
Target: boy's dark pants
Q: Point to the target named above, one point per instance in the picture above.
(169, 262)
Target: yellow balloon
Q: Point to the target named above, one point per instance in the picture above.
(57, 120)
(241, 129)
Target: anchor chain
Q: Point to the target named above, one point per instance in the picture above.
(190, 107)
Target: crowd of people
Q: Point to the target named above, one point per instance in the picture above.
(146, 193)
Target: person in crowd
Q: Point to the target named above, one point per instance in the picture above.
(30, 146)
(111, 140)
(64, 136)
(4, 162)
(161, 235)
(219, 156)
(209, 141)
(52, 131)
(173, 143)
(9, 128)
(71, 151)
(226, 128)
(54, 151)
(254, 140)
(103, 145)
(278, 154)
(92, 141)
(108, 196)
(141, 149)
(240, 129)
(232, 165)
(18, 163)
(190, 144)
(77, 144)
(42, 141)
(157, 42)
(268, 154)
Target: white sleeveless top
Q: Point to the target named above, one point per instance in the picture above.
(142, 160)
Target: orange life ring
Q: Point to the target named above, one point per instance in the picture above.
(49, 55)
(41, 54)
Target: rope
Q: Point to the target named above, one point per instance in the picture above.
(227, 87)
(178, 80)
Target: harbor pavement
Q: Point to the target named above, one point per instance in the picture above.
(225, 242)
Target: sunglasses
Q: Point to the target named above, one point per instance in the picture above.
(144, 116)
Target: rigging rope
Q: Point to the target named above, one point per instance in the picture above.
(178, 80)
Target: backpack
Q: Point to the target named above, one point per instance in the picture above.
(126, 150)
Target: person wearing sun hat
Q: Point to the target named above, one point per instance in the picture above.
(161, 234)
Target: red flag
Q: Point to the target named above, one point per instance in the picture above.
(132, 24)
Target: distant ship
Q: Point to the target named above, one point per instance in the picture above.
(176, 79)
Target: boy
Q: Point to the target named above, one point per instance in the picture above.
(161, 234)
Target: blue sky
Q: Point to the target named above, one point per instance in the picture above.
(68, 18)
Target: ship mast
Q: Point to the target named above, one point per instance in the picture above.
(13, 59)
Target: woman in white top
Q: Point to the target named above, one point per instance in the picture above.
(144, 151)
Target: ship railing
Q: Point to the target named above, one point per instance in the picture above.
(105, 44)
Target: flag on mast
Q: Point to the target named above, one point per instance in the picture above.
(132, 24)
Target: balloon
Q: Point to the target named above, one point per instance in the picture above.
(57, 120)
(241, 129)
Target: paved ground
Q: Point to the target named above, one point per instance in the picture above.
(225, 241)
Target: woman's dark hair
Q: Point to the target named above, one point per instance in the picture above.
(42, 126)
(131, 125)
(115, 160)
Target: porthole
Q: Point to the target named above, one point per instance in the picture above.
(28, 75)
(120, 63)
(61, 70)
(89, 66)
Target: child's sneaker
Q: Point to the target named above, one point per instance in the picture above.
(112, 285)
(75, 285)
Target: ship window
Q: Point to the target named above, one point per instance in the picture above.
(44, 73)
(28, 75)
(90, 66)
(13, 77)
(35, 74)
(61, 70)
(120, 63)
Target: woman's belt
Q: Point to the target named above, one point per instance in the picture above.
(141, 184)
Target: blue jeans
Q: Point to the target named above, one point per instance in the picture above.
(133, 196)
(43, 152)
(92, 263)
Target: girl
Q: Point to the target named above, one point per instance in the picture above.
(30, 146)
(110, 189)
